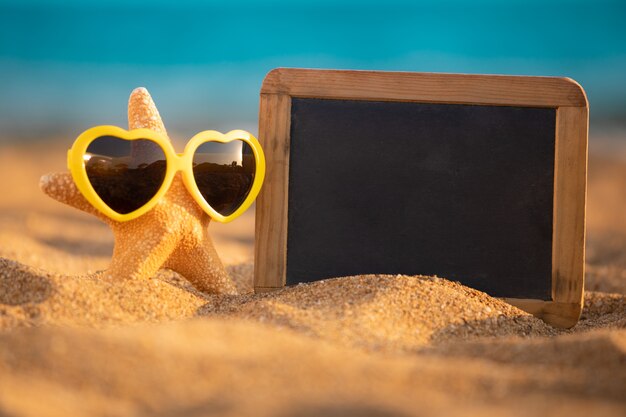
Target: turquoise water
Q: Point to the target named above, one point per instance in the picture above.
(70, 64)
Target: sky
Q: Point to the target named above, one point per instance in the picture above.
(68, 65)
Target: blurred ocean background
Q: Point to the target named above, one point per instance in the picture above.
(66, 65)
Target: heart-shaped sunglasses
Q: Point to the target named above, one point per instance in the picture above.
(123, 173)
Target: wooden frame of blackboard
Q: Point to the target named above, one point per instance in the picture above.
(570, 168)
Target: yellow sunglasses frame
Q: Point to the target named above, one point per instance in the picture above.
(174, 163)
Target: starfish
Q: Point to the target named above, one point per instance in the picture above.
(174, 234)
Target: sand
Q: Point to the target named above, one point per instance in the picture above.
(75, 343)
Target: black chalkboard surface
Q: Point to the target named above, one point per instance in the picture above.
(478, 179)
(459, 191)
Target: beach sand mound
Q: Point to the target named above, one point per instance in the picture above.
(34, 297)
(373, 312)
(372, 345)
(376, 312)
(383, 312)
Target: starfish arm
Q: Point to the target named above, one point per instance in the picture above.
(61, 187)
(140, 249)
(142, 112)
(201, 266)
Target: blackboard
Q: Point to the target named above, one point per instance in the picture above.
(463, 192)
(477, 179)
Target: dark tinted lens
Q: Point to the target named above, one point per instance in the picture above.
(224, 173)
(125, 174)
